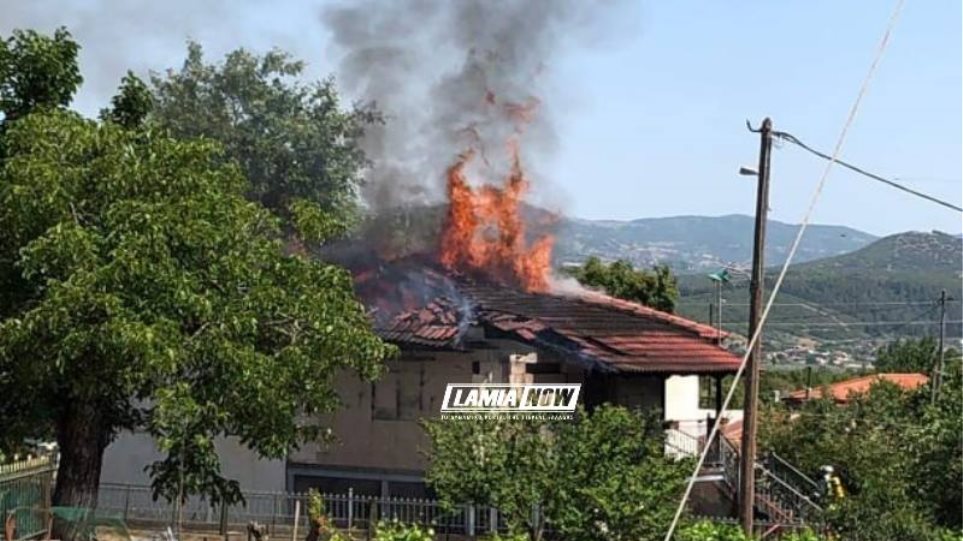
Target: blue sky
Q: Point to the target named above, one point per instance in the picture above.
(651, 122)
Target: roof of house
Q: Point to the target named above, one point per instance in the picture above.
(610, 334)
(843, 390)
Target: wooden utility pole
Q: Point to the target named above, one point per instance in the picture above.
(747, 467)
(940, 365)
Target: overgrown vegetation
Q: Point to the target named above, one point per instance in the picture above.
(899, 455)
(140, 289)
(603, 476)
(656, 288)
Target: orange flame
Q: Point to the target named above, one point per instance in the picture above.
(484, 231)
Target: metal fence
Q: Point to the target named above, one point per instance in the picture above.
(25, 491)
(136, 506)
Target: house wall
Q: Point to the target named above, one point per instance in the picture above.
(682, 398)
(127, 457)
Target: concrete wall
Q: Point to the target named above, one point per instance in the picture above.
(127, 457)
(682, 398)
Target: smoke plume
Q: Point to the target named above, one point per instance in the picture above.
(452, 75)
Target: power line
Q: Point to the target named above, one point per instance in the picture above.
(845, 323)
(818, 304)
(785, 268)
(795, 140)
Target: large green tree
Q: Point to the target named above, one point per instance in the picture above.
(603, 476)
(142, 290)
(657, 288)
(292, 140)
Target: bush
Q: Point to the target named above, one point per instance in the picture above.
(399, 531)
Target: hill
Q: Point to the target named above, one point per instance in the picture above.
(886, 289)
(696, 243)
(685, 243)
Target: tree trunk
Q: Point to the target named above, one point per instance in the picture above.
(82, 437)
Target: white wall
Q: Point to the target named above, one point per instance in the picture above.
(682, 398)
(126, 458)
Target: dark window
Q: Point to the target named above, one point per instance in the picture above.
(475, 367)
(401, 489)
(543, 368)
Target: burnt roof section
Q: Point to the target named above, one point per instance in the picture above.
(611, 334)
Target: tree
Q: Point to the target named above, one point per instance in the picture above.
(150, 294)
(506, 463)
(899, 456)
(612, 480)
(603, 476)
(908, 356)
(130, 107)
(657, 288)
(37, 72)
(292, 141)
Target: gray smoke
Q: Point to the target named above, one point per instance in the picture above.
(446, 74)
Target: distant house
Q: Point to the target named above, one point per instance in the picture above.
(842, 392)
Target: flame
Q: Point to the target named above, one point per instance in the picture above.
(484, 231)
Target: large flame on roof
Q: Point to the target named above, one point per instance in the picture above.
(484, 231)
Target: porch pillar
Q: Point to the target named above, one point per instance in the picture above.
(718, 396)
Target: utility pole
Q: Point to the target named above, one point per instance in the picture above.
(747, 467)
(938, 376)
(719, 312)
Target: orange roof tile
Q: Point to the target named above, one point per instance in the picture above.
(841, 391)
(612, 334)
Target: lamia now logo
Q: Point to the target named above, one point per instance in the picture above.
(510, 398)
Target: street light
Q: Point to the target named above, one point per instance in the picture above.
(748, 172)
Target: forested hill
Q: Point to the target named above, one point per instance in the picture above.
(888, 288)
(697, 243)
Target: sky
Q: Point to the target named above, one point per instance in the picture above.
(650, 117)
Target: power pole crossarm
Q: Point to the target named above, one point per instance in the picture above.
(747, 472)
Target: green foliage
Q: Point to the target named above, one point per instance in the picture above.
(656, 288)
(898, 454)
(141, 290)
(37, 72)
(713, 531)
(292, 141)
(502, 462)
(315, 506)
(602, 476)
(611, 479)
(908, 355)
(130, 107)
(398, 531)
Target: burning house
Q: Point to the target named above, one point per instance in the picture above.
(458, 328)
(485, 308)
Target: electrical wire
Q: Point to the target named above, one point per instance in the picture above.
(795, 140)
(785, 268)
(818, 304)
(846, 323)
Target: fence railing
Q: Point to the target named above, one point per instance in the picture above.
(136, 506)
(25, 492)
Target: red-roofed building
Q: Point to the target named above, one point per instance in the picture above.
(841, 392)
(453, 329)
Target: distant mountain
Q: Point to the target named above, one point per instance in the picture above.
(696, 243)
(886, 289)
